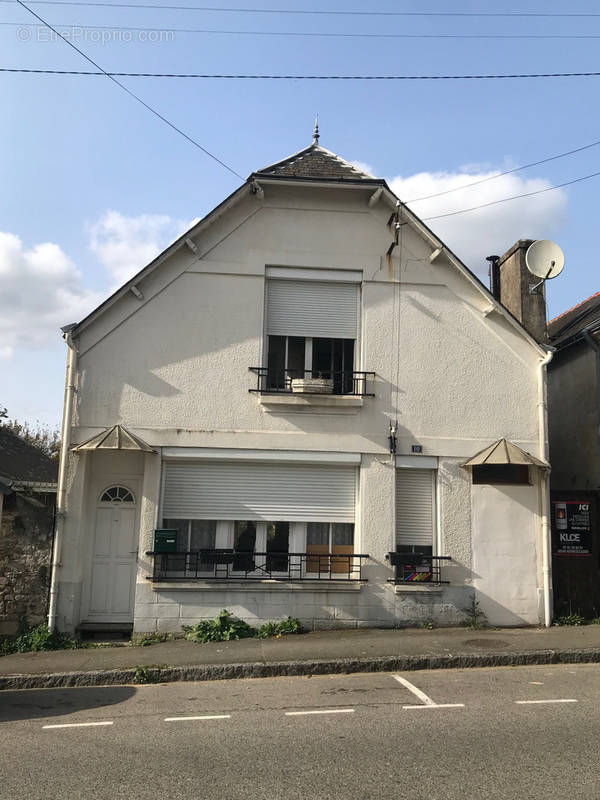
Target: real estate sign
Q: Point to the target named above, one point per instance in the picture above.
(572, 528)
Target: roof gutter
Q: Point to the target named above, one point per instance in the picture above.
(61, 493)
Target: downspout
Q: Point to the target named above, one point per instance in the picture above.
(545, 485)
(61, 489)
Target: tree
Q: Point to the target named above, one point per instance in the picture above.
(44, 437)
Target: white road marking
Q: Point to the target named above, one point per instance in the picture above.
(411, 688)
(207, 716)
(320, 711)
(76, 725)
(429, 703)
(439, 705)
(537, 702)
(536, 683)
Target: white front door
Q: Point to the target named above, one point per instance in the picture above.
(114, 555)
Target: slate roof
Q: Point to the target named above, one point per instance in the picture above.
(22, 462)
(315, 162)
(574, 320)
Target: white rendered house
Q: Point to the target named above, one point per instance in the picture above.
(306, 406)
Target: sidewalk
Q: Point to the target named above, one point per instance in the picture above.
(319, 652)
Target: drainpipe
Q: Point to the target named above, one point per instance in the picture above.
(61, 489)
(545, 484)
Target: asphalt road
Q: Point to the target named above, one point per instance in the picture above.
(449, 734)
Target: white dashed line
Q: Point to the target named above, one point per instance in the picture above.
(320, 711)
(439, 705)
(187, 719)
(538, 702)
(428, 702)
(77, 725)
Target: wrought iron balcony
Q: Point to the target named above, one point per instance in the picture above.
(223, 565)
(307, 382)
(416, 567)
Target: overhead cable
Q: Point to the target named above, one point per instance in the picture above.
(258, 77)
(130, 93)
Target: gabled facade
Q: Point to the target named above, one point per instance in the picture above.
(300, 380)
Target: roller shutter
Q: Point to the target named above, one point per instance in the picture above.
(259, 491)
(415, 506)
(327, 309)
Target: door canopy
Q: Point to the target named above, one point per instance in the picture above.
(115, 438)
(504, 452)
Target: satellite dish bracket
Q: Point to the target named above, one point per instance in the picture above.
(533, 287)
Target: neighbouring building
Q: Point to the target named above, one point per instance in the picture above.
(307, 405)
(27, 501)
(574, 432)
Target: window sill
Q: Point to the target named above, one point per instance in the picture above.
(311, 401)
(422, 588)
(306, 585)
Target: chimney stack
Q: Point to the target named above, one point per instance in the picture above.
(515, 282)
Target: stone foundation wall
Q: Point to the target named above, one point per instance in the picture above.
(25, 555)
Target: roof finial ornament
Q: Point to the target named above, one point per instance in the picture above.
(316, 131)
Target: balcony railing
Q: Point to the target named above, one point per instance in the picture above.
(417, 568)
(223, 565)
(294, 381)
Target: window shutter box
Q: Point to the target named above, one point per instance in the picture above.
(322, 309)
(415, 506)
(259, 491)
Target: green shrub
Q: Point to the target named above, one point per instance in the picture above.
(145, 675)
(276, 629)
(224, 628)
(475, 617)
(268, 630)
(570, 619)
(38, 639)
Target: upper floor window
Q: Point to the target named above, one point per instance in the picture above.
(312, 328)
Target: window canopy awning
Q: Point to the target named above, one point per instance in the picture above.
(115, 438)
(504, 452)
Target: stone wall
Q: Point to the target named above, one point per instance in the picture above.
(25, 555)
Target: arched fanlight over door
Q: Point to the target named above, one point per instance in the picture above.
(117, 494)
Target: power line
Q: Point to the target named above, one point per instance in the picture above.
(132, 94)
(320, 34)
(514, 197)
(507, 172)
(257, 77)
(322, 12)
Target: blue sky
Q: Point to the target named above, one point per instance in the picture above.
(94, 185)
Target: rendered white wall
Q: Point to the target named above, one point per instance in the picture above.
(504, 541)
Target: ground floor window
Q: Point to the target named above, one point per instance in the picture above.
(253, 546)
(415, 524)
(327, 539)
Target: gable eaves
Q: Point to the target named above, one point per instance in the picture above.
(196, 229)
(437, 243)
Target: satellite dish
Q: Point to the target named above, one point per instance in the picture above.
(545, 259)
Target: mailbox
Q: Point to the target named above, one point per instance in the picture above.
(165, 540)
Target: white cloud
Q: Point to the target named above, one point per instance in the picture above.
(477, 234)
(125, 245)
(40, 290)
(363, 166)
